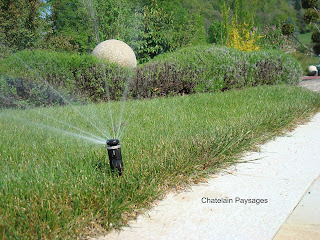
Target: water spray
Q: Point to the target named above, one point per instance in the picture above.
(114, 152)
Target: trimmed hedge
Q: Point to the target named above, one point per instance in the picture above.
(34, 76)
(211, 68)
(28, 75)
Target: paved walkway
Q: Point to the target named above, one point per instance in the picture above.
(274, 195)
(304, 221)
(312, 83)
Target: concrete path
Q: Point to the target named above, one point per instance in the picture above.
(304, 222)
(274, 193)
(312, 84)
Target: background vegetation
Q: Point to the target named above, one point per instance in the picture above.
(33, 77)
(150, 27)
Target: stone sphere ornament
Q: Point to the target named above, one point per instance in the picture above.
(116, 51)
(312, 70)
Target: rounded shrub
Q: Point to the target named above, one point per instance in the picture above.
(211, 68)
(34, 75)
(287, 29)
(316, 48)
(193, 69)
(311, 16)
(309, 3)
(315, 37)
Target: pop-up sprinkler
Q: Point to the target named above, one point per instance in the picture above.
(114, 152)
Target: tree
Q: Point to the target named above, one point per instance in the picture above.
(166, 29)
(20, 23)
(311, 16)
(297, 5)
(69, 26)
(83, 24)
(150, 27)
(299, 16)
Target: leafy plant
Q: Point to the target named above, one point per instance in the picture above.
(272, 38)
(240, 34)
(316, 48)
(243, 37)
(20, 26)
(308, 3)
(287, 29)
(163, 30)
(207, 68)
(315, 37)
(155, 39)
(78, 76)
(311, 16)
(217, 33)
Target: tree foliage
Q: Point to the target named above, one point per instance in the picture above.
(315, 37)
(150, 27)
(309, 3)
(287, 29)
(312, 16)
(20, 23)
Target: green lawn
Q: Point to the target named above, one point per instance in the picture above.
(305, 38)
(57, 185)
(304, 56)
(306, 60)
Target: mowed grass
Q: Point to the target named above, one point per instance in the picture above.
(306, 58)
(57, 186)
(305, 38)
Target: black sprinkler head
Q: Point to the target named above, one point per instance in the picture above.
(114, 152)
(113, 142)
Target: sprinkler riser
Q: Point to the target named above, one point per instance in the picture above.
(115, 157)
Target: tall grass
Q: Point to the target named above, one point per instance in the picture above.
(57, 186)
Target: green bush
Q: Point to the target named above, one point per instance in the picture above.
(309, 3)
(287, 29)
(210, 68)
(217, 33)
(18, 93)
(38, 73)
(315, 37)
(316, 48)
(28, 76)
(272, 38)
(311, 16)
